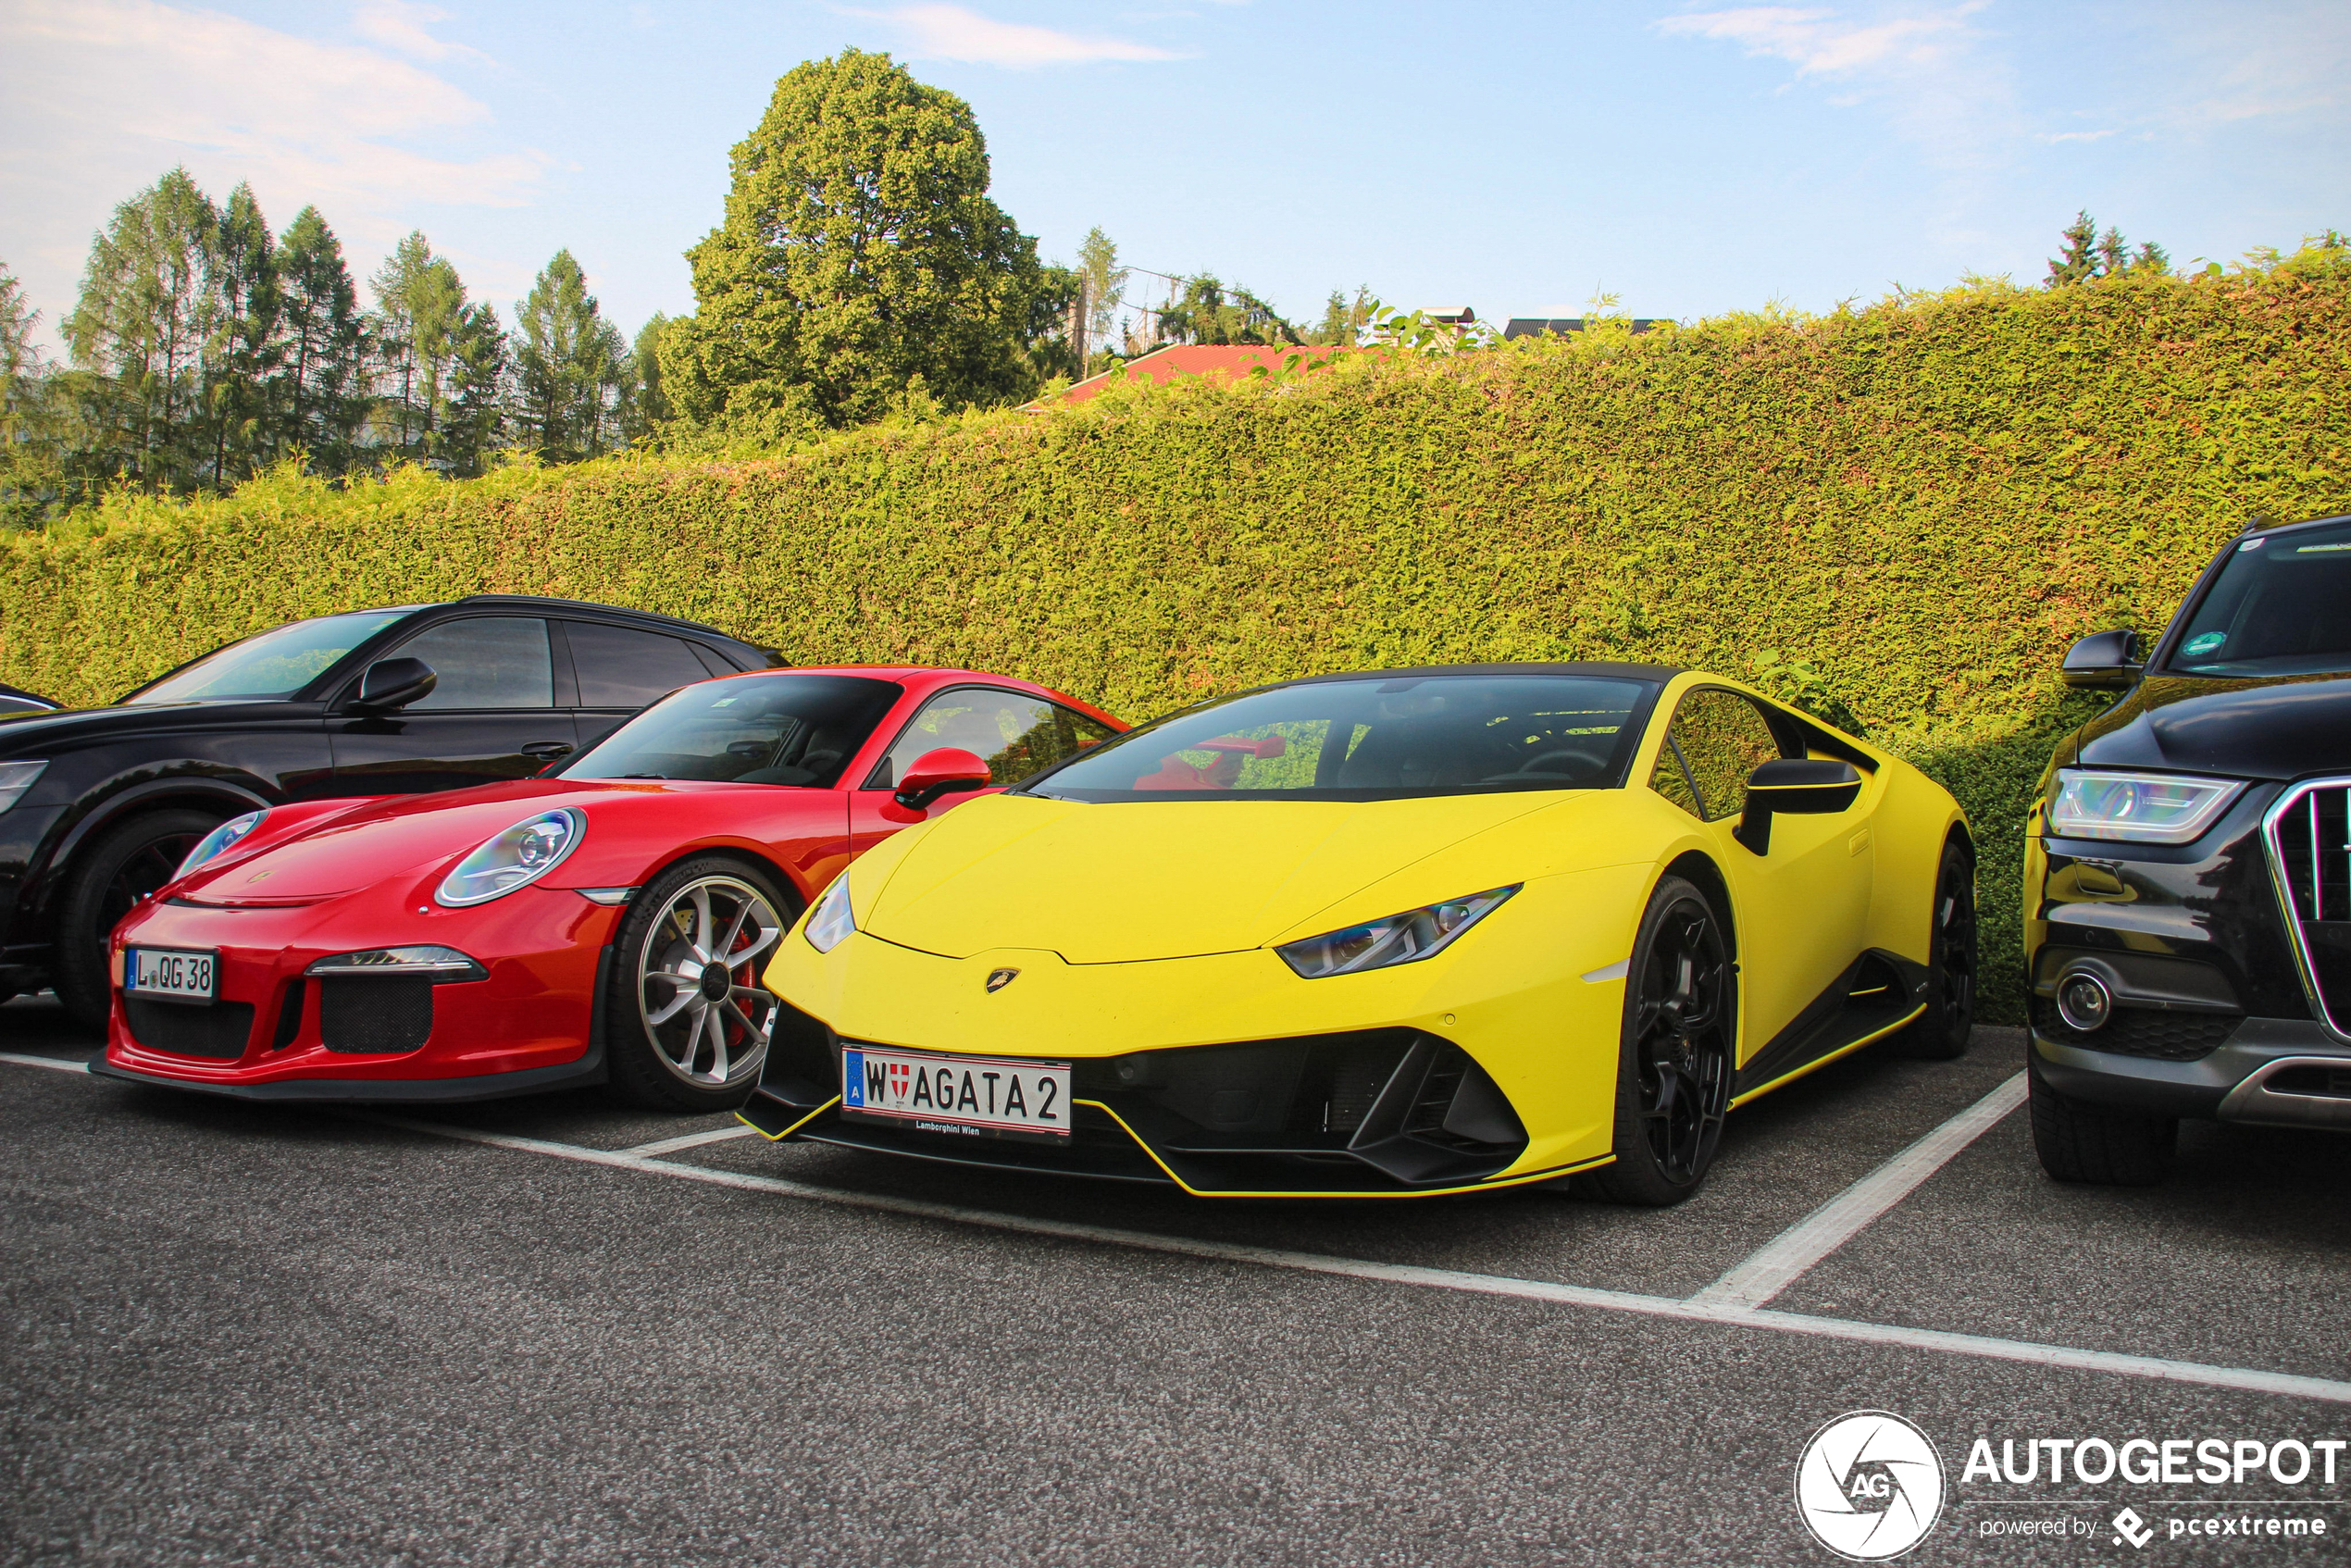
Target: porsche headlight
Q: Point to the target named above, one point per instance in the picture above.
(831, 921)
(2144, 808)
(215, 842)
(513, 859)
(1401, 939)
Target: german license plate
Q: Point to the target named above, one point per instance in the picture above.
(966, 1096)
(154, 971)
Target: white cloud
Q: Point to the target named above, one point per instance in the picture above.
(105, 94)
(951, 32)
(2078, 135)
(1819, 42)
(404, 26)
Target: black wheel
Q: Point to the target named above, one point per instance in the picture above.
(2079, 1141)
(125, 865)
(1674, 1066)
(687, 1019)
(1941, 1033)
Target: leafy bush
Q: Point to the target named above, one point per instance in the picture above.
(1905, 511)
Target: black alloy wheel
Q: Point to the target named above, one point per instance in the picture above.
(1675, 1063)
(111, 877)
(1940, 1034)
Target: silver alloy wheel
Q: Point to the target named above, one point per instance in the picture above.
(698, 987)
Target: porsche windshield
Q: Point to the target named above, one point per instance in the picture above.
(757, 730)
(2281, 605)
(1375, 739)
(274, 664)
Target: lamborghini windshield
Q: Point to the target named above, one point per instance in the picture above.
(1374, 738)
(754, 729)
(2281, 605)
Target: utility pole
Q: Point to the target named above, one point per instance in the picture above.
(1077, 325)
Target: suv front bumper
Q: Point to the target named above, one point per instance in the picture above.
(2269, 1072)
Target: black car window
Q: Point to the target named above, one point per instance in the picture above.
(620, 667)
(798, 730)
(1015, 734)
(1717, 739)
(270, 663)
(2281, 605)
(1375, 739)
(487, 662)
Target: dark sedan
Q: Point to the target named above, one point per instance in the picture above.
(97, 806)
(2188, 870)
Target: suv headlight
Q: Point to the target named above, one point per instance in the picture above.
(16, 777)
(218, 840)
(831, 921)
(2142, 808)
(1401, 939)
(515, 858)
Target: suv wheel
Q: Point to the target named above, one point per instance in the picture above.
(2079, 1141)
(127, 864)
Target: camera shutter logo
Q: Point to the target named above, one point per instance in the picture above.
(1869, 1486)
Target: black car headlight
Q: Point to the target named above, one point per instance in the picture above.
(515, 858)
(1399, 938)
(2143, 808)
(216, 842)
(16, 777)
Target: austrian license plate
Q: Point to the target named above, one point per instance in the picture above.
(154, 971)
(967, 1096)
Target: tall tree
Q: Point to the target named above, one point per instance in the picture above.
(473, 416)
(570, 367)
(393, 336)
(649, 408)
(1343, 320)
(323, 339)
(860, 257)
(1102, 289)
(27, 449)
(243, 361)
(141, 326)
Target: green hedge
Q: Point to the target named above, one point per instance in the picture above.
(1909, 509)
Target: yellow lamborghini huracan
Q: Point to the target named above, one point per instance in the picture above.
(1382, 935)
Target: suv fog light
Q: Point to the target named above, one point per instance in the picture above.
(2084, 1003)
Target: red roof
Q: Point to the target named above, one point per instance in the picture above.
(1231, 361)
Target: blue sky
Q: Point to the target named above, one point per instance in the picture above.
(1692, 158)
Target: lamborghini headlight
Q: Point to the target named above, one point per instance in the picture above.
(2144, 808)
(1401, 939)
(831, 921)
(515, 858)
(217, 841)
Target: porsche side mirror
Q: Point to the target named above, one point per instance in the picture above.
(1794, 787)
(394, 683)
(942, 772)
(2103, 658)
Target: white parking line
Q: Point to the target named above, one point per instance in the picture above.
(1776, 1265)
(2246, 1379)
(62, 1063)
(691, 1141)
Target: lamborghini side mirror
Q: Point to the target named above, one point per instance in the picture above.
(1794, 787)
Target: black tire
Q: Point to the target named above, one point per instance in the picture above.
(1677, 1055)
(2100, 1145)
(1941, 1033)
(671, 1044)
(107, 880)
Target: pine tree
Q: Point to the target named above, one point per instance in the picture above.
(395, 335)
(29, 467)
(1208, 311)
(2079, 261)
(1343, 320)
(861, 260)
(244, 359)
(648, 409)
(473, 418)
(569, 367)
(142, 328)
(322, 402)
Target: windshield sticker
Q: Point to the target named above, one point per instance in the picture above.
(2251, 544)
(2209, 642)
(2320, 548)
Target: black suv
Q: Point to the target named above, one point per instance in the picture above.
(97, 806)
(2188, 870)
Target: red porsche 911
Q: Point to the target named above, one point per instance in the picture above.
(605, 921)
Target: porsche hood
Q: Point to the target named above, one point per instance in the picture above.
(1125, 882)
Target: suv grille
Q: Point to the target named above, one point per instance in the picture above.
(2140, 1031)
(2307, 835)
(220, 1030)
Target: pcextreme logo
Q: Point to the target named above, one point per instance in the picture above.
(1869, 1486)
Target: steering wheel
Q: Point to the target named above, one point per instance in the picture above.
(1585, 762)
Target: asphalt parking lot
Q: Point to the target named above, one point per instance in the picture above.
(546, 1331)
